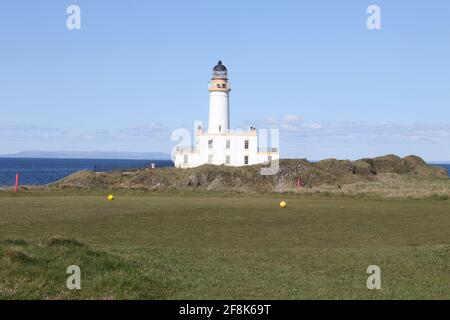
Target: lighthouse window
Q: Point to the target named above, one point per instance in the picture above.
(210, 144)
(246, 144)
(246, 160)
(210, 158)
(228, 144)
(186, 159)
(227, 159)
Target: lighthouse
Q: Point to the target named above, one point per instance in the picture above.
(219, 103)
(219, 144)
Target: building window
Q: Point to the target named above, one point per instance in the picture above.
(228, 144)
(210, 144)
(185, 159)
(246, 144)
(246, 160)
(227, 159)
(210, 158)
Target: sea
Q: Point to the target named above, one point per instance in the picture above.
(34, 171)
(43, 171)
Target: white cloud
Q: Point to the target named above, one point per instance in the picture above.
(355, 130)
(291, 118)
(317, 140)
(148, 137)
(298, 138)
(18, 132)
(145, 131)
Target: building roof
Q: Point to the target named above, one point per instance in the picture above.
(220, 67)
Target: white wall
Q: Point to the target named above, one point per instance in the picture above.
(237, 150)
(219, 112)
(219, 152)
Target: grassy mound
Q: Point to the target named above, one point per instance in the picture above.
(392, 176)
(37, 270)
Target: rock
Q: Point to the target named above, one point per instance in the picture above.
(216, 185)
(330, 172)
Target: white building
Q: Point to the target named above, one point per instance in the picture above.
(220, 145)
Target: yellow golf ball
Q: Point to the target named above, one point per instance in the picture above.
(283, 204)
(110, 197)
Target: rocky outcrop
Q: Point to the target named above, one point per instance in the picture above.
(410, 165)
(330, 172)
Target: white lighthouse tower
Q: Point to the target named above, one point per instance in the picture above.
(220, 145)
(219, 103)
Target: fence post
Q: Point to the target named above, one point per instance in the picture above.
(17, 183)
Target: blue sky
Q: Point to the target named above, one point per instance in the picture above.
(139, 69)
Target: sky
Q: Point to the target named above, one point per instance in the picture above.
(137, 70)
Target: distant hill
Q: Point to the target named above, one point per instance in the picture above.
(90, 155)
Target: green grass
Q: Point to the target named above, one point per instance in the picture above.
(203, 246)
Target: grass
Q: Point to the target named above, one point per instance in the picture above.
(204, 246)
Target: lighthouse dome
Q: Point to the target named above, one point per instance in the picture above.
(220, 71)
(220, 67)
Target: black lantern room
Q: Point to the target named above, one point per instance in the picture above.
(220, 71)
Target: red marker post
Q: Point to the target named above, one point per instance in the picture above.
(298, 184)
(17, 183)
